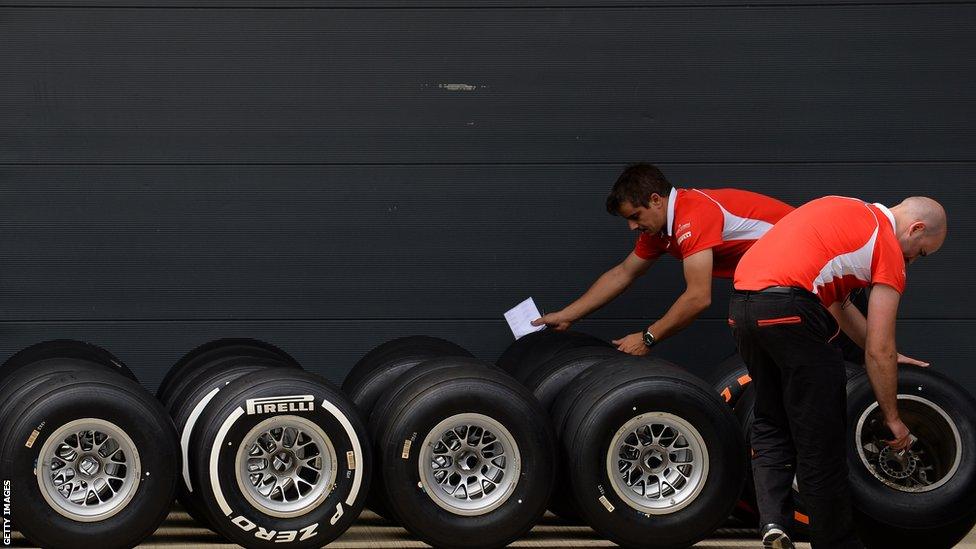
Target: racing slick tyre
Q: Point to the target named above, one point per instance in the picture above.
(91, 457)
(466, 454)
(188, 403)
(546, 382)
(730, 379)
(552, 376)
(655, 456)
(211, 353)
(66, 349)
(530, 351)
(931, 496)
(279, 458)
(379, 368)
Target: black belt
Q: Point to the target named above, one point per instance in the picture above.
(787, 290)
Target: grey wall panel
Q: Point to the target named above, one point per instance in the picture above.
(726, 84)
(404, 242)
(330, 348)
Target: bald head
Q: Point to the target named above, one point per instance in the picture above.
(920, 226)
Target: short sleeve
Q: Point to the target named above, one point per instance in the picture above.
(700, 230)
(888, 264)
(649, 247)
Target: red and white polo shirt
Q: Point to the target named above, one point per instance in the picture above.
(829, 246)
(727, 220)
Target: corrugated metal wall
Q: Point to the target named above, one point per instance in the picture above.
(329, 175)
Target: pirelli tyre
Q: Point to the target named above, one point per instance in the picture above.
(551, 377)
(730, 379)
(65, 349)
(546, 383)
(522, 357)
(466, 454)
(929, 499)
(186, 406)
(380, 367)
(654, 456)
(91, 458)
(212, 354)
(279, 458)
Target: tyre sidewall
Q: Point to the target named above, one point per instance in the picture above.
(915, 510)
(159, 461)
(404, 488)
(588, 447)
(237, 518)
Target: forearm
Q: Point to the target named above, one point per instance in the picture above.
(852, 323)
(682, 313)
(882, 369)
(606, 288)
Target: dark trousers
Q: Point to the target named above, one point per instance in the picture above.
(800, 413)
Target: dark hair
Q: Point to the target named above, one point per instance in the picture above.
(635, 185)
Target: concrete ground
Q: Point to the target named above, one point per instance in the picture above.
(372, 531)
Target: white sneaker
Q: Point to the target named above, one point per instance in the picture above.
(775, 537)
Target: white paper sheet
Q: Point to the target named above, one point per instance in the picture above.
(520, 318)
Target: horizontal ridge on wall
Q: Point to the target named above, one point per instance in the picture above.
(151, 242)
(757, 83)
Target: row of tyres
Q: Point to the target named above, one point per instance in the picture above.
(253, 447)
(459, 451)
(470, 454)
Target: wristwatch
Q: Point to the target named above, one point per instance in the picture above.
(649, 338)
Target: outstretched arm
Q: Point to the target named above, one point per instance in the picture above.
(881, 358)
(610, 285)
(853, 323)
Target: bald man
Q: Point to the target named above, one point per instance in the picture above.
(792, 293)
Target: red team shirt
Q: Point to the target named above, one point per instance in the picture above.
(846, 244)
(728, 221)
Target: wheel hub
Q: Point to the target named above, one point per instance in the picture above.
(89, 466)
(286, 466)
(655, 459)
(469, 464)
(657, 463)
(931, 461)
(88, 470)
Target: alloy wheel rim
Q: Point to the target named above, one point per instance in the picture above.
(88, 470)
(469, 464)
(286, 466)
(657, 463)
(929, 463)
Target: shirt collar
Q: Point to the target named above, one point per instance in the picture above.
(672, 198)
(888, 214)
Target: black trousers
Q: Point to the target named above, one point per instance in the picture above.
(801, 411)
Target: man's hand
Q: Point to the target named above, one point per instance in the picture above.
(902, 359)
(558, 321)
(632, 344)
(903, 438)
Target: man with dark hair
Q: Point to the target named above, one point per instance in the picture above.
(707, 229)
(791, 300)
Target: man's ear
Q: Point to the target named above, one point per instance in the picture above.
(655, 199)
(915, 228)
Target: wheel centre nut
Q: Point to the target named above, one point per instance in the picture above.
(655, 459)
(283, 461)
(468, 461)
(89, 466)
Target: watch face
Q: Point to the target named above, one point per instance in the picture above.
(648, 339)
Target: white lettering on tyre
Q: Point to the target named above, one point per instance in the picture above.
(283, 536)
(283, 404)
